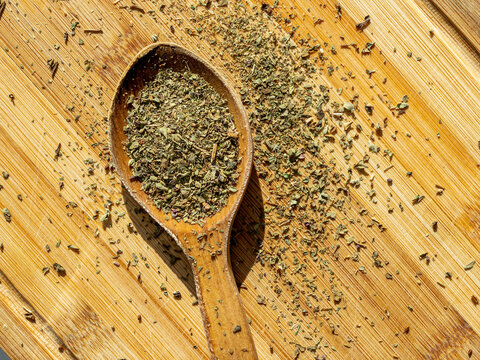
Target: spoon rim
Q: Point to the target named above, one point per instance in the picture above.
(232, 209)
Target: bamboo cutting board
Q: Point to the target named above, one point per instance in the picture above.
(106, 308)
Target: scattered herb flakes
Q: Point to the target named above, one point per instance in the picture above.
(402, 105)
(73, 27)
(58, 151)
(331, 215)
(439, 189)
(474, 300)
(364, 24)
(368, 48)
(280, 100)
(5, 175)
(266, 8)
(418, 199)
(261, 300)
(237, 329)
(105, 216)
(7, 215)
(348, 106)
(53, 66)
(298, 329)
(183, 145)
(73, 248)
(88, 64)
(470, 265)
(59, 269)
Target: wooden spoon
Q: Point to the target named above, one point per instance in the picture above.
(226, 325)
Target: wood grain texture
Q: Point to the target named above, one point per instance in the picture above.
(128, 311)
(465, 16)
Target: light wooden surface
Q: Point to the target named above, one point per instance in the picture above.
(119, 313)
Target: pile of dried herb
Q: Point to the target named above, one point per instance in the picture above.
(183, 145)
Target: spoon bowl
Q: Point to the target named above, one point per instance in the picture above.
(206, 243)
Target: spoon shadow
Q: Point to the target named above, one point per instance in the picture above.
(247, 235)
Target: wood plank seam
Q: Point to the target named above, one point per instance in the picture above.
(44, 332)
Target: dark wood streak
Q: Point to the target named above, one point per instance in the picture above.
(461, 28)
(50, 336)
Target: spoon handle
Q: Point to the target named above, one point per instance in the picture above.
(226, 325)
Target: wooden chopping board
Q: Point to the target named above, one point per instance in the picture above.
(104, 308)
